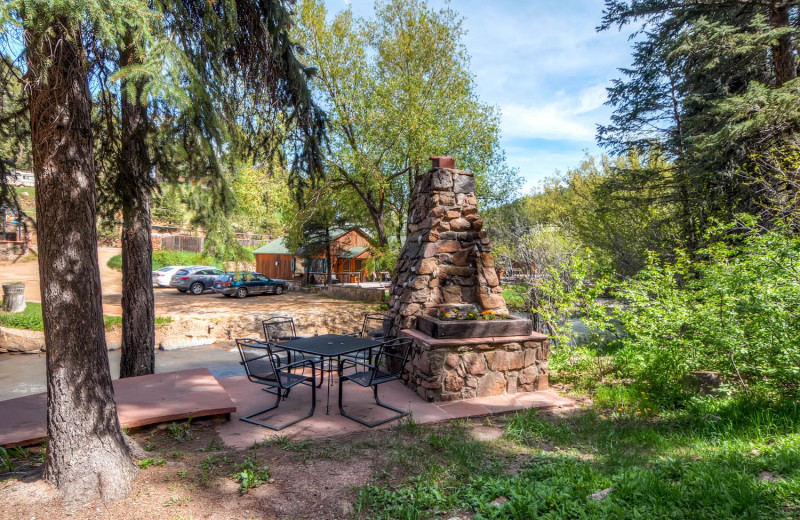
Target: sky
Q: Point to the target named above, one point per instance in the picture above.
(543, 64)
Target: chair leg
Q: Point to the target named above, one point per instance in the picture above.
(400, 413)
(249, 418)
(284, 394)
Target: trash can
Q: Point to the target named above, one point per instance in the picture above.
(14, 297)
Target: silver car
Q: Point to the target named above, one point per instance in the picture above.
(195, 279)
(163, 276)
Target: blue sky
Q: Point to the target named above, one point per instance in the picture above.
(544, 65)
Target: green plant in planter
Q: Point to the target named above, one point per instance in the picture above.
(471, 316)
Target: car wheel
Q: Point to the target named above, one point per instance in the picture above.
(278, 289)
(241, 292)
(181, 290)
(197, 288)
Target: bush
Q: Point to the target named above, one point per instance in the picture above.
(164, 257)
(30, 318)
(735, 312)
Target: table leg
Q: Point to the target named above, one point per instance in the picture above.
(330, 383)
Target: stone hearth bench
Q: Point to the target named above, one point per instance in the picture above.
(451, 369)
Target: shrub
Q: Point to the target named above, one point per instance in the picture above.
(734, 311)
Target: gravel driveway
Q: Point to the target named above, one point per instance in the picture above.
(173, 303)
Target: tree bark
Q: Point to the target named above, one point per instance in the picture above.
(87, 455)
(783, 52)
(134, 186)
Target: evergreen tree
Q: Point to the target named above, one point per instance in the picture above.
(713, 85)
(87, 454)
(243, 53)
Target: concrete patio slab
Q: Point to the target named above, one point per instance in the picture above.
(143, 400)
(249, 398)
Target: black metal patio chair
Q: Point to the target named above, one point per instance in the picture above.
(281, 328)
(262, 366)
(387, 365)
(375, 326)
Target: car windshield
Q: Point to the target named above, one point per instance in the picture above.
(182, 271)
(165, 269)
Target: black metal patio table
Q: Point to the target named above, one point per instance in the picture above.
(330, 347)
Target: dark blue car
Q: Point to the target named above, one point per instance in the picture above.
(243, 284)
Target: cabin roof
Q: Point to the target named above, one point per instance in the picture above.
(276, 247)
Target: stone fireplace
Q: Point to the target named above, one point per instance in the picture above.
(447, 263)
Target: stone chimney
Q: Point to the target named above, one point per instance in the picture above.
(447, 258)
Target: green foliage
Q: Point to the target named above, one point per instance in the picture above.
(115, 262)
(146, 463)
(169, 206)
(6, 462)
(30, 318)
(585, 207)
(526, 427)
(251, 475)
(733, 311)
(180, 432)
(15, 143)
(711, 86)
(287, 444)
(388, 80)
(112, 321)
(165, 257)
(264, 201)
(680, 464)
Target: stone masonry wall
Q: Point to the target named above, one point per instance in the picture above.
(440, 370)
(446, 258)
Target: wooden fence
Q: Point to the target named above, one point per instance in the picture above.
(195, 243)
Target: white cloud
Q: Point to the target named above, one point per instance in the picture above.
(563, 118)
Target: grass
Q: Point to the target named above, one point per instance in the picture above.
(701, 460)
(513, 298)
(28, 200)
(163, 258)
(31, 318)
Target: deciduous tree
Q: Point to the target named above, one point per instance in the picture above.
(398, 89)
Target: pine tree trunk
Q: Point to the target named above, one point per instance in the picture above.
(783, 51)
(87, 455)
(134, 186)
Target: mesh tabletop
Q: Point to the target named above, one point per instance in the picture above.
(330, 345)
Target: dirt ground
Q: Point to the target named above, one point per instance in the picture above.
(196, 478)
(170, 302)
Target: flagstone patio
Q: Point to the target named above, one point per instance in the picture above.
(175, 396)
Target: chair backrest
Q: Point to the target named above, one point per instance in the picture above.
(257, 358)
(376, 325)
(391, 359)
(279, 328)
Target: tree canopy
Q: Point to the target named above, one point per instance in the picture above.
(398, 89)
(712, 86)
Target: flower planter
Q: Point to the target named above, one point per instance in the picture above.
(499, 327)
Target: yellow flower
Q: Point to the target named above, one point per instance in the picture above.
(649, 410)
(620, 409)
